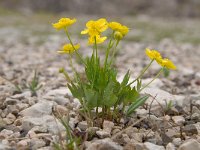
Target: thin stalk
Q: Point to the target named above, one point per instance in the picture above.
(108, 50)
(114, 51)
(142, 72)
(158, 74)
(68, 36)
(95, 46)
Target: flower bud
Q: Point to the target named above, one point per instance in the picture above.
(118, 35)
(61, 70)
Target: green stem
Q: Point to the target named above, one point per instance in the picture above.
(68, 36)
(108, 50)
(95, 46)
(142, 72)
(158, 74)
(114, 51)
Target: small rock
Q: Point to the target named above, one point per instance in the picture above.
(179, 120)
(105, 144)
(39, 129)
(7, 133)
(195, 116)
(53, 125)
(177, 141)
(151, 146)
(83, 125)
(134, 146)
(141, 112)
(36, 143)
(23, 144)
(61, 110)
(190, 129)
(10, 101)
(10, 118)
(107, 126)
(190, 145)
(38, 110)
(102, 134)
(170, 146)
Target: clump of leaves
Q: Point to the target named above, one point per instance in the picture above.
(34, 85)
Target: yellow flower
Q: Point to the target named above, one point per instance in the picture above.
(95, 27)
(167, 63)
(68, 48)
(153, 54)
(99, 40)
(118, 27)
(63, 23)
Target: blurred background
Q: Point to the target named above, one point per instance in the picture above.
(26, 33)
(173, 8)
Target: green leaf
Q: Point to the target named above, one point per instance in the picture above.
(109, 98)
(131, 95)
(166, 72)
(140, 101)
(139, 84)
(91, 97)
(126, 79)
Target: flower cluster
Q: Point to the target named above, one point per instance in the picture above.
(95, 28)
(164, 62)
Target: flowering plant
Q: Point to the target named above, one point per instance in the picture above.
(100, 93)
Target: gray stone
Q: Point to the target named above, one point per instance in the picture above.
(105, 144)
(62, 92)
(83, 125)
(190, 145)
(107, 126)
(53, 125)
(179, 120)
(177, 141)
(36, 143)
(102, 134)
(151, 146)
(4, 146)
(170, 146)
(162, 97)
(38, 110)
(190, 129)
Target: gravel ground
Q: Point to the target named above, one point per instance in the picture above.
(29, 122)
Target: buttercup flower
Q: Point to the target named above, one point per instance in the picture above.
(95, 27)
(167, 63)
(153, 54)
(63, 23)
(68, 48)
(99, 40)
(120, 29)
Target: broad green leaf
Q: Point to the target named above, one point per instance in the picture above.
(109, 98)
(132, 95)
(140, 101)
(91, 97)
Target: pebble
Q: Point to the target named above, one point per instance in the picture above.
(107, 126)
(105, 144)
(151, 146)
(190, 145)
(39, 109)
(179, 120)
(83, 125)
(177, 141)
(190, 129)
(102, 134)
